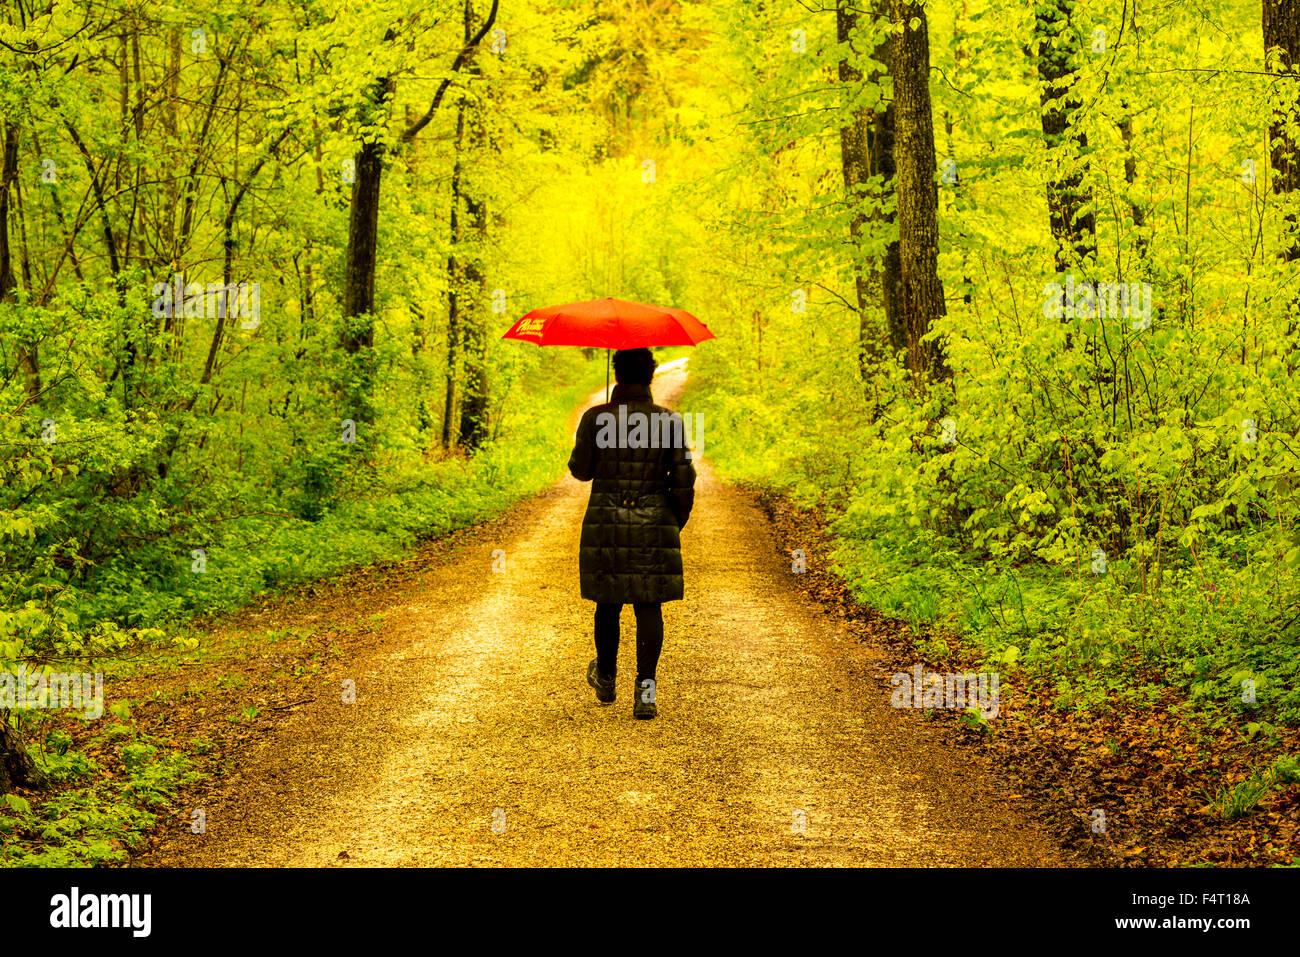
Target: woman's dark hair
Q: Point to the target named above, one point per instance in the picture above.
(634, 366)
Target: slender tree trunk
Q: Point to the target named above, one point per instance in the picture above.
(363, 244)
(866, 150)
(361, 262)
(1130, 178)
(1069, 203)
(68, 239)
(960, 57)
(26, 356)
(363, 226)
(97, 190)
(228, 256)
(8, 174)
(363, 232)
(454, 284)
(1281, 21)
(474, 408)
(883, 164)
(918, 199)
(171, 128)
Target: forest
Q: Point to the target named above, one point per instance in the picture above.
(1006, 304)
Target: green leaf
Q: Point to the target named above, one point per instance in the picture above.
(18, 804)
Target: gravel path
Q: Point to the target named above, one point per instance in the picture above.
(475, 739)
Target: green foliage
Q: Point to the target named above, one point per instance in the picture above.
(160, 463)
(92, 819)
(1244, 797)
(1233, 802)
(1115, 501)
(1111, 507)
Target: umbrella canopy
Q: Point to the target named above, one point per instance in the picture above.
(609, 324)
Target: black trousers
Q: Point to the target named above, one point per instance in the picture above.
(649, 637)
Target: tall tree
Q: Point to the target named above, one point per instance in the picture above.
(474, 409)
(1281, 21)
(1069, 200)
(16, 765)
(867, 150)
(1125, 125)
(918, 197)
(363, 225)
(454, 287)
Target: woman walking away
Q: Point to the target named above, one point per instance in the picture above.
(642, 489)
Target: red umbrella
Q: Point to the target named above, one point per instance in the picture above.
(609, 324)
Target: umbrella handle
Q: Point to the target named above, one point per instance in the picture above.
(606, 375)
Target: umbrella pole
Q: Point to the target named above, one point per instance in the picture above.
(606, 375)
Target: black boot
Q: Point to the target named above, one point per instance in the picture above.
(604, 684)
(643, 701)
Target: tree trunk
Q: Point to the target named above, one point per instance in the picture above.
(1130, 178)
(16, 765)
(960, 57)
(26, 357)
(1069, 203)
(918, 198)
(8, 173)
(1281, 20)
(866, 150)
(1125, 126)
(363, 241)
(453, 286)
(17, 769)
(171, 127)
(359, 271)
(363, 226)
(474, 408)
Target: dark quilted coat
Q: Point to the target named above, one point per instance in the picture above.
(640, 500)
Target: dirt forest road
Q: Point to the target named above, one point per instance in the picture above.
(475, 739)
